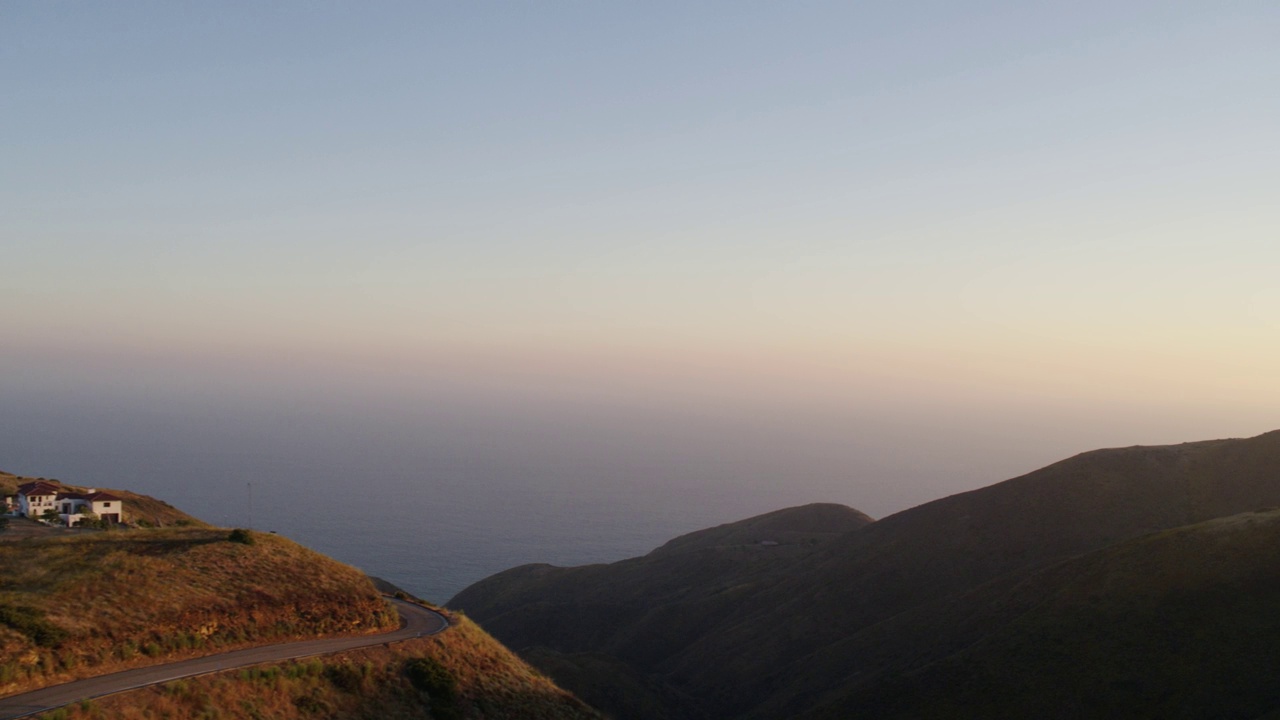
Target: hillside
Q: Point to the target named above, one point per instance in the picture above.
(705, 635)
(88, 604)
(9, 483)
(139, 509)
(460, 674)
(85, 604)
(579, 622)
(1181, 623)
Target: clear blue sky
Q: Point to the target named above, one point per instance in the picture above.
(942, 208)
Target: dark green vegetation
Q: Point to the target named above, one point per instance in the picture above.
(1129, 582)
(31, 621)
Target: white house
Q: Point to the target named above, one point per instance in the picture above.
(72, 507)
(37, 498)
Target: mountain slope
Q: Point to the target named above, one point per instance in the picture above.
(83, 605)
(837, 610)
(1181, 623)
(644, 610)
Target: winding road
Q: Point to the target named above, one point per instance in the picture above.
(417, 621)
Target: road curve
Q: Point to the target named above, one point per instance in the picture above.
(416, 621)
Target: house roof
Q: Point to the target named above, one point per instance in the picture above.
(37, 488)
(89, 497)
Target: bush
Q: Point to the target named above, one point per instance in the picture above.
(344, 677)
(242, 536)
(311, 704)
(429, 676)
(30, 622)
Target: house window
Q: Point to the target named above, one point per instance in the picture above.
(106, 504)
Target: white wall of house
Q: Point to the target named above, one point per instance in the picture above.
(36, 505)
(72, 519)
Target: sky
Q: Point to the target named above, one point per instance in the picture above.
(953, 240)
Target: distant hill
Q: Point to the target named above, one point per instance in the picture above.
(854, 614)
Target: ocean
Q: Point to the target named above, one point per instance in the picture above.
(436, 496)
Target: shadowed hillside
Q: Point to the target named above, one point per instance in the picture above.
(594, 626)
(1181, 623)
(704, 636)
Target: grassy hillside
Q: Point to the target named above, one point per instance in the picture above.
(82, 604)
(8, 483)
(713, 626)
(462, 674)
(79, 606)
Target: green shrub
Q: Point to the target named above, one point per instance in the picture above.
(30, 622)
(242, 536)
(343, 677)
(429, 676)
(311, 704)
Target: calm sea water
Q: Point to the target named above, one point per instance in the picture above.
(435, 498)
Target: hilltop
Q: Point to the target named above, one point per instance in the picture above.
(862, 618)
(86, 604)
(139, 509)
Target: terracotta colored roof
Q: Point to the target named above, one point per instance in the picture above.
(89, 497)
(37, 488)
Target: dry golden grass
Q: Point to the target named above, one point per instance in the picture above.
(8, 483)
(75, 607)
(481, 679)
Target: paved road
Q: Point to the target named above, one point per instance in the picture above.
(417, 621)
